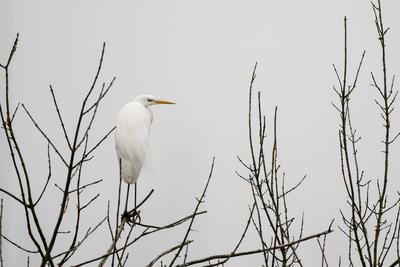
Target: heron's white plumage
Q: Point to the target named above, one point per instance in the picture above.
(131, 139)
(132, 135)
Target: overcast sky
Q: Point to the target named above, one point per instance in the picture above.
(199, 54)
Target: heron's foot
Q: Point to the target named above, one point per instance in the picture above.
(125, 215)
(132, 217)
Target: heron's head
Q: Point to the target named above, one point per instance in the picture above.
(149, 100)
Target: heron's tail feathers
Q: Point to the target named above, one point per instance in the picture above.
(129, 173)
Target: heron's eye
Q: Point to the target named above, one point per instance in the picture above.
(149, 100)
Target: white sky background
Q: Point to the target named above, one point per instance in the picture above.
(199, 54)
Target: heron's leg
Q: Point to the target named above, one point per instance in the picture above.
(127, 196)
(135, 193)
(135, 213)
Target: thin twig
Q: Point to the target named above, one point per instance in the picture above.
(60, 117)
(199, 201)
(45, 135)
(187, 242)
(19, 246)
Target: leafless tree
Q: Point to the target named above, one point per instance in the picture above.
(73, 160)
(272, 219)
(268, 212)
(372, 225)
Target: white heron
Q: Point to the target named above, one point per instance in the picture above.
(132, 135)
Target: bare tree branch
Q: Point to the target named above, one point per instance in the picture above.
(256, 251)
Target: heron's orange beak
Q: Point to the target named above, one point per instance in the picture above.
(160, 101)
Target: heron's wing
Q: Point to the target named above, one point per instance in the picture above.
(131, 139)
